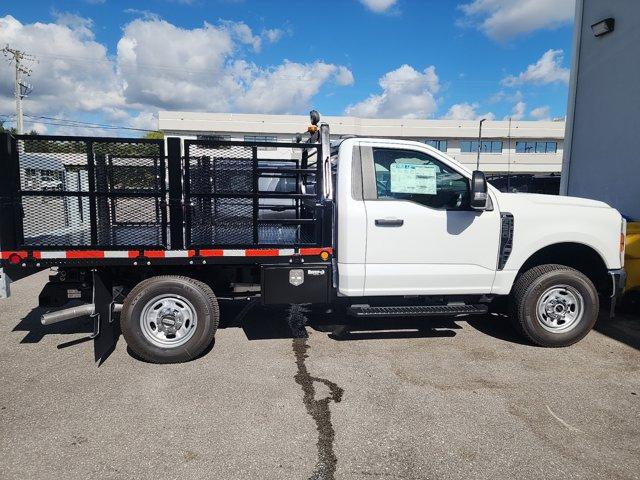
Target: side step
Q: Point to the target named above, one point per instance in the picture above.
(417, 310)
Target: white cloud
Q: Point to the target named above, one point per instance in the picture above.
(379, 6)
(157, 66)
(406, 93)
(286, 88)
(344, 76)
(503, 96)
(548, 69)
(518, 111)
(243, 33)
(541, 113)
(145, 120)
(505, 19)
(466, 111)
(74, 72)
(273, 35)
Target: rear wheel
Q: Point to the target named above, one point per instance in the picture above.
(169, 319)
(554, 305)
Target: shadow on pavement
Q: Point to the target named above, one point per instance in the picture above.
(496, 326)
(624, 328)
(104, 344)
(263, 323)
(259, 322)
(353, 329)
(36, 331)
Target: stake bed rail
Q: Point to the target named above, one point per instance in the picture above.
(89, 201)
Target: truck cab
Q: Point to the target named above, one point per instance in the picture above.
(406, 226)
(409, 227)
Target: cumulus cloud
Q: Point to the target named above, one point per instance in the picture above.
(406, 93)
(379, 6)
(273, 35)
(541, 113)
(504, 19)
(548, 69)
(344, 76)
(286, 88)
(518, 111)
(74, 73)
(157, 66)
(466, 111)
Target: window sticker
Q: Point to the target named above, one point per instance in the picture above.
(412, 178)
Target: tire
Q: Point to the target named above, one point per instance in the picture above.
(554, 305)
(169, 319)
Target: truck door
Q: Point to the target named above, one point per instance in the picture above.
(422, 236)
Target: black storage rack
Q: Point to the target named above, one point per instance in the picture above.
(115, 201)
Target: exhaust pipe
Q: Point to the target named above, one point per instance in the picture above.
(73, 312)
(67, 314)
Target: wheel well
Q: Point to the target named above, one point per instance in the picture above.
(575, 255)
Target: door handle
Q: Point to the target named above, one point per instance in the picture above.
(389, 222)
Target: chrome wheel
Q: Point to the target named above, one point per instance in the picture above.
(560, 308)
(168, 321)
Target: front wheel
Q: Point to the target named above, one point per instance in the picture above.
(169, 319)
(554, 305)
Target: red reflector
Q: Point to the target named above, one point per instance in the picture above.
(262, 253)
(209, 253)
(80, 254)
(15, 259)
(315, 251)
(154, 253)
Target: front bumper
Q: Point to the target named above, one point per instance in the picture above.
(618, 280)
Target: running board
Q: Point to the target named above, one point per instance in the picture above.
(417, 310)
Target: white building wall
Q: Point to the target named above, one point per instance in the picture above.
(601, 159)
(189, 125)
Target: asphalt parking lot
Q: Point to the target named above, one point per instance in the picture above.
(463, 399)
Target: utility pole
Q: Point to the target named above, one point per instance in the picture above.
(21, 89)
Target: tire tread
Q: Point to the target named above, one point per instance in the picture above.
(518, 296)
(203, 287)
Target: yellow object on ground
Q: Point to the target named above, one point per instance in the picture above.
(632, 256)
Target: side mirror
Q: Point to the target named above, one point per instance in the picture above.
(479, 195)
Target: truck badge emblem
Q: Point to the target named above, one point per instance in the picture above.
(296, 277)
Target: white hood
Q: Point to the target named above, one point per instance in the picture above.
(552, 200)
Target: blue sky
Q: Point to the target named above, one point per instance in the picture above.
(113, 62)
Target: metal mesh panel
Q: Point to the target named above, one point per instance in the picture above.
(246, 195)
(78, 192)
(46, 165)
(129, 221)
(56, 221)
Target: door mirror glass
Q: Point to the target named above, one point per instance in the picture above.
(479, 195)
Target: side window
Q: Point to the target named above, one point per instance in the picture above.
(415, 176)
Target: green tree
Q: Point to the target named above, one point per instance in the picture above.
(6, 130)
(158, 135)
(12, 130)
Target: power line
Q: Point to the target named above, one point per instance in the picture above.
(64, 122)
(80, 123)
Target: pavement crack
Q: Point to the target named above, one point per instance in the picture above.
(318, 410)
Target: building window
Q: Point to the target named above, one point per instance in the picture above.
(215, 138)
(261, 138)
(439, 144)
(536, 147)
(488, 146)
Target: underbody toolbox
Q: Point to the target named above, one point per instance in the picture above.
(296, 284)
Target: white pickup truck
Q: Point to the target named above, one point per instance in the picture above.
(365, 226)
